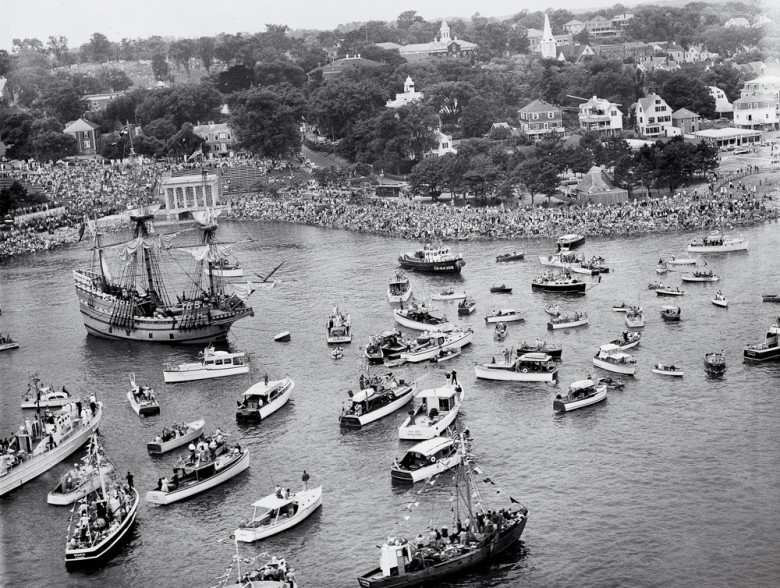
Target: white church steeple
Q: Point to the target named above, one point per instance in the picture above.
(445, 32)
(547, 44)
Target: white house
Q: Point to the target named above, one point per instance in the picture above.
(444, 144)
(653, 116)
(759, 105)
(738, 22)
(723, 108)
(408, 96)
(600, 115)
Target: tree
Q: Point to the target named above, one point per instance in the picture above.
(267, 120)
(99, 48)
(184, 143)
(51, 146)
(681, 91)
(116, 79)
(15, 128)
(182, 51)
(58, 46)
(407, 19)
(726, 77)
(428, 177)
(160, 128)
(279, 72)
(160, 67)
(234, 79)
(478, 116)
(539, 176)
(16, 196)
(204, 48)
(61, 100)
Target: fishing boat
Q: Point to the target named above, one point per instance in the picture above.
(506, 315)
(378, 397)
(668, 370)
(202, 472)
(612, 358)
(278, 512)
(611, 383)
(568, 321)
(428, 345)
(419, 318)
(671, 313)
(446, 355)
(79, 481)
(501, 331)
(283, 337)
(468, 541)
(528, 367)
(715, 363)
(570, 241)
(40, 396)
(7, 343)
(44, 441)
(437, 410)
(628, 339)
(337, 353)
(273, 574)
(677, 261)
(339, 327)
(467, 306)
(263, 399)
(425, 459)
(400, 289)
(669, 292)
(769, 349)
(553, 310)
(176, 435)
(389, 344)
(715, 242)
(719, 300)
(91, 540)
(502, 289)
(212, 364)
(635, 318)
(448, 294)
(514, 256)
(554, 350)
(136, 305)
(142, 399)
(580, 394)
(561, 283)
(770, 297)
(432, 258)
(700, 276)
(622, 307)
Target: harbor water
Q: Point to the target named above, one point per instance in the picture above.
(670, 482)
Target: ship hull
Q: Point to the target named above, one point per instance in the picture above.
(432, 267)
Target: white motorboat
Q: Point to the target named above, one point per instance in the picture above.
(581, 394)
(273, 574)
(768, 349)
(193, 477)
(420, 318)
(274, 514)
(612, 358)
(430, 344)
(578, 319)
(529, 367)
(669, 292)
(507, 315)
(635, 318)
(425, 459)
(40, 396)
(661, 268)
(449, 294)
(142, 399)
(628, 339)
(212, 364)
(668, 370)
(672, 261)
(283, 337)
(715, 242)
(719, 300)
(437, 410)
(175, 436)
(339, 327)
(700, 276)
(40, 444)
(553, 310)
(559, 259)
(446, 355)
(400, 289)
(263, 399)
(7, 343)
(378, 397)
(78, 481)
(570, 241)
(467, 306)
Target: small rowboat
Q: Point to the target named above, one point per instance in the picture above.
(501, 331)
(578, 319)
(446, 354)
(502, 289)
(668, 370)
(670, 313)
(391, 363)
(283, 337)
(770, 297)
(719, 300)
(669, 292)
(611, 383)
(449, 294)
(142, 399)
(337, 353)
(507, 315)
(622, 307)
(681, 261)
(553, 310)
(467, 306)
(514, 256)
(188, 432)
(661, 268)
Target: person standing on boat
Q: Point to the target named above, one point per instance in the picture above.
(129, 478)
(454, 378)
(305, 479)
(265, 378)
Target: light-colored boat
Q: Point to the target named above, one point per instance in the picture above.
(142, 399)
(661, 268)
(337, 353)
(446, 355)
(622, 307)
(339, 327)
(425, 459)
(40, 396)
(224, 268)
(553, 310)
(31, 451)
(436, 411)
(273, 514)
(559, 259)
(400, 289)
(612, 358)
(635, 318)
(672, 261)
(715, 242)
(700, 276)
(430, 344)
(191, 478)
(719, 300)
(420, 318)
(381, 396)
(578, 319)
(175, 436)
(78, 481)
(274, 574)
(581, 394)
(529, 367)
(501, 331)
(628, 339)
(669, 292)
(668, 370)
(7, 343)
(282, 337)
(507, 315)
(263, 399)
(212, 364)
(448, 294)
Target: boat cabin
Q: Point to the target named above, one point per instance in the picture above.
(428, 452)
(223, 358)
(613, 354)
(370, 399)
(581, 389)
(539, 362)
(254, 400)
(396, 554)
(438, 401)
(268, 510)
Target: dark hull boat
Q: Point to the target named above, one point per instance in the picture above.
(432, 259)
(769, 349)
(567, 242)
(510, 257)
(550, 349)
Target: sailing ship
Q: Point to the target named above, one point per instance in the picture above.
(477, 533)
(93, 535)
(137, 304)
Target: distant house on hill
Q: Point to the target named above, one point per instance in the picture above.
(686, 120)
(596, 187)
(601, 116)
(574, 26)
(541, 118)
(408, 96)
(339, 66)
(444, 46)
(653, 116)
(723, 108)
(574, 53)
(87, 135)
(739, 22)
(219, 138)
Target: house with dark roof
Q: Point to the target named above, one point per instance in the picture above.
(596, 187)
(686, 120)
(339, 66)
(218, 137)
(574, 53)
(541, 118)
(444, 46)
(635, 50)
(653, 116)
(87, 135)
(601, 116)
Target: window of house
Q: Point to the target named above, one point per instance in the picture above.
(445, 145)
(550, 115)
(536, 116)
(651, 120)
(87, 144)
(546, 125)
